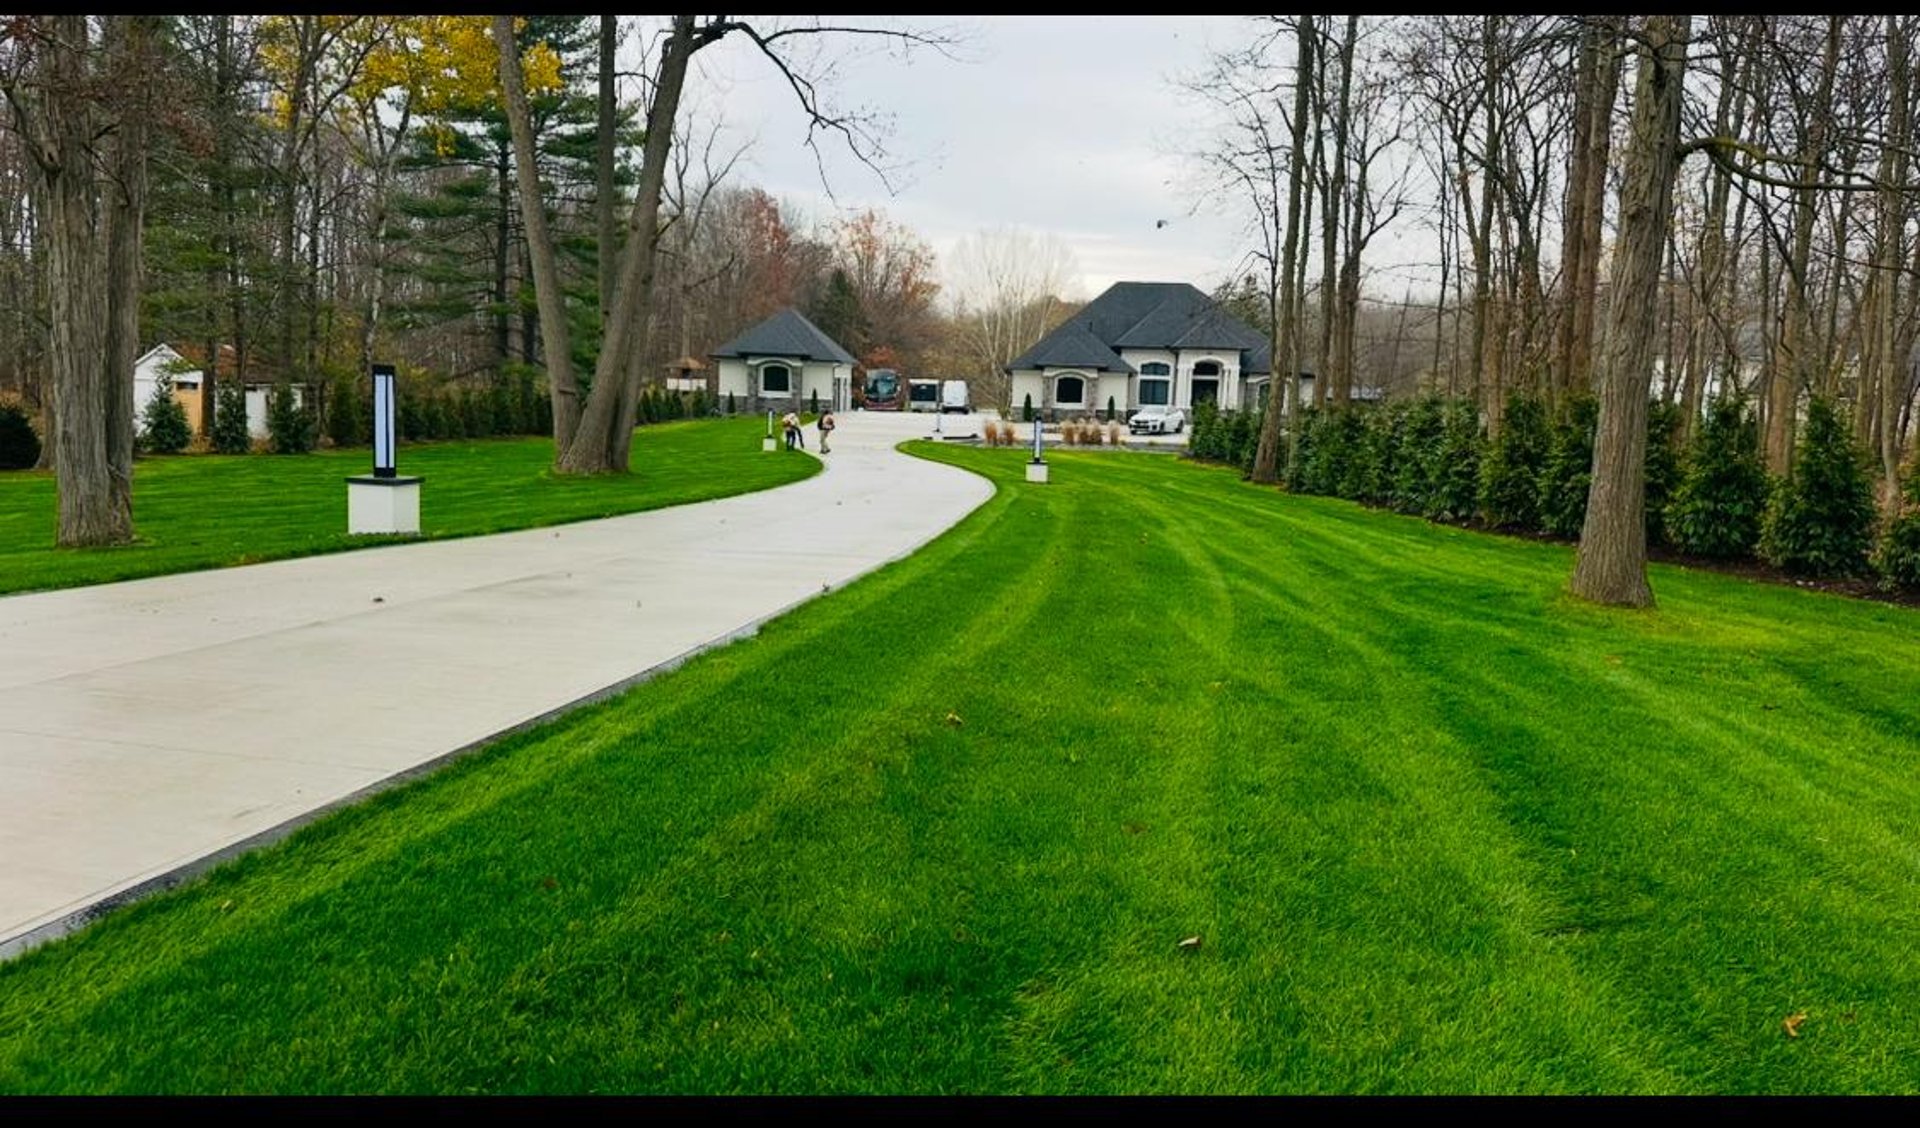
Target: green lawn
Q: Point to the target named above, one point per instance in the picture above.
(1437, 828)
(208, 511)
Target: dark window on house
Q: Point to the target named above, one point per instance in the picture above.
(1155, 368)
(776, 378)
(1070, 389)
(1207, 369)
(1155, 393)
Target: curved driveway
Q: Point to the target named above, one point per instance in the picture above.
(151, 728)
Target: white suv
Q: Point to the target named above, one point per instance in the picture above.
(1158, 421)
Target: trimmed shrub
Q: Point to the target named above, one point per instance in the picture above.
(343, 414)
(1567, 476)
(730, 404)
(1897, 558)
(1242, 438)
(1721, 501)
(1510, 472)
(291, 428)
(230, 434)
(1301, 462)
(1026, 409)
(1662, 465)
(1418, 448)
(1821, 519)
(1453, 475)
(1206, 433)
(163, 421)
(19, 442)
(813, 401)
(1109, 409)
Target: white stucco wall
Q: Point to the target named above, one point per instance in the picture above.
(740, 376)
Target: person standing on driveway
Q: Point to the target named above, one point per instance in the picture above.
(826, 425)
(795, 438)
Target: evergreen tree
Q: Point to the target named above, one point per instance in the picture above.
(163, 421)
(1897, 558)
(290, 424)
(1453, 474)
(1417, 453)
(1510, 472)
(1567, 476)
(1721, 501)
(837, 313)
(19, 443)
(1663, 465)
(1821, 519)
(230, 433)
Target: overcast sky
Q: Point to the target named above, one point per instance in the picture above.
(1068, 125)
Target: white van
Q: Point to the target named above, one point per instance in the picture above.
(953, 396)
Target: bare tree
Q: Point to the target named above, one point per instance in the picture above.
(1009, 284)
(600, 442)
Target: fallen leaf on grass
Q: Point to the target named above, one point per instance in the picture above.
(1190, 943)
(954, 720)
(1134, 827)
(1791, 1024)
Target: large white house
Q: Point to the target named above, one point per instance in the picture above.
(1143, 344)
(785, 363)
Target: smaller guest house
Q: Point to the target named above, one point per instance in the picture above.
(783, 363)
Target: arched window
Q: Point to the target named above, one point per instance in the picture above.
(776, 378)
(1206, 382)
(1156, 384)
(1070, 391)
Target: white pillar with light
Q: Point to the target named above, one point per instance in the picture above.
(383, 502)
(1037, 468)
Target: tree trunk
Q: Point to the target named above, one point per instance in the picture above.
(129, 43)
(58, 124)
(604, 203)
(1893, 363)
(1612, 563)
(1797, 368)
(562, 391)
(606, 425)
(1586, 282)
(1266, 461)
(1338, 353)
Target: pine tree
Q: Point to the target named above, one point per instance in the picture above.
(1453, 474)
(1897, 558)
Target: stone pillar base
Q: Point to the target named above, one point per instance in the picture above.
(1036, 471)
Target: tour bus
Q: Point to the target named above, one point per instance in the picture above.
(884, 390)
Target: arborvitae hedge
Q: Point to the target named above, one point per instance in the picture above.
(1418, 446)
(1568, 472)
(1510, 472)
(1897, 558)
(1662, 465)
(1721, 501)
(1821, 520)
(1454, 471)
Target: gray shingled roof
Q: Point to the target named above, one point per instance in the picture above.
(1146, 315)
(1071, 346)
(786, 334)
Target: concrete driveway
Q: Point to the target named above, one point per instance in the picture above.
(149, 729)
